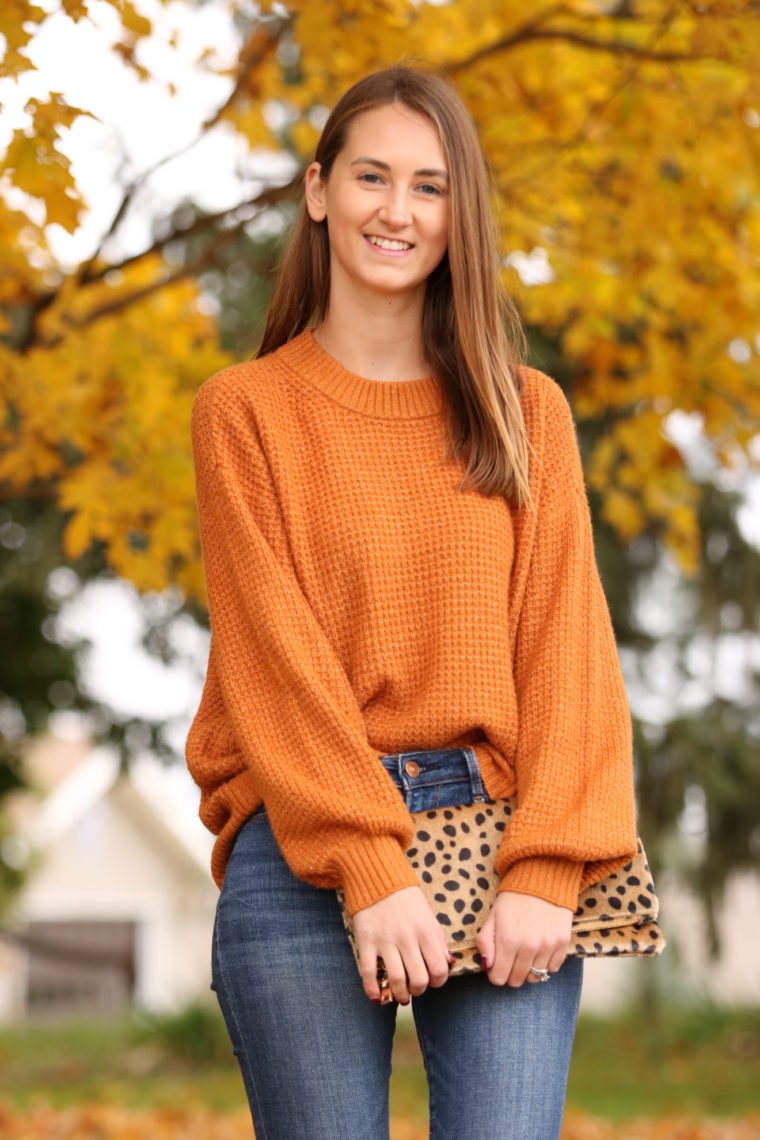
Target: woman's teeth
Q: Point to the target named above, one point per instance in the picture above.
(384, 243)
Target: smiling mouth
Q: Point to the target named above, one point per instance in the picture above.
(391, 244)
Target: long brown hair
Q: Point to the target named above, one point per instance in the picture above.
(472, 331)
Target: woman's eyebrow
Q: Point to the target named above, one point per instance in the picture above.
(427, 173)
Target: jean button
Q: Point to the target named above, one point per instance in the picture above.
(412, 768)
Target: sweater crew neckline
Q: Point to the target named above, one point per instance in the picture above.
(385, 399)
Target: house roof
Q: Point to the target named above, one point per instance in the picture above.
(68, 782)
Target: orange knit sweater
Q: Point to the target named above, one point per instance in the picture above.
(360, 605)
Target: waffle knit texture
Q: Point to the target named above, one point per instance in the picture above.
(361, 605)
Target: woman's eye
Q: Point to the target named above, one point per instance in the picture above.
(431, 189)
(371, 176)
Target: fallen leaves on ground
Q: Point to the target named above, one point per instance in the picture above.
(106, 1122)
(578, 1127)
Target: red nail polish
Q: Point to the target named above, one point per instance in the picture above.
(376, 1001)
(484, 962)
(405, 1002)
(450, 957)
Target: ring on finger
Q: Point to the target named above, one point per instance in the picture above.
(543, 975)
(386, 997)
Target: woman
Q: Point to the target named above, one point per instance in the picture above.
(403, 598)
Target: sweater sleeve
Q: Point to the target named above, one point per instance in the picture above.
(299, 732)
(575, 820)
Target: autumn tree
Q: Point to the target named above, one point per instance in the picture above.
(624, 139)
(689, 648)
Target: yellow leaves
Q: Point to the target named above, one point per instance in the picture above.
(623, 513)
(77, 537)
(109, 1122)
(641, 478)
(22, 246)
(636, 178)
(38, 167)
(15, 16)
(75, 9)
(304, 137)
(126, 50)
(133, 20)
(30, 168)
(715, 37)
(136, 27)
(103, 412)
(580, 1127)
(249, 121)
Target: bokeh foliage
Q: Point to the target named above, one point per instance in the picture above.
(623, 137)
(624, 140)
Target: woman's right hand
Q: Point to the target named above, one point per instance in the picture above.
(403, 931)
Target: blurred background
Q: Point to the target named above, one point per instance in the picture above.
(152, 153)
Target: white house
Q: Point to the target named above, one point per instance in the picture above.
(118, 903)
(118, 906)
(685, 971)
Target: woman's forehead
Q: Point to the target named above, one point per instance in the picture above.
(396, 130)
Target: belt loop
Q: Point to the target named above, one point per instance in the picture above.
(398, 770)
(476, 780)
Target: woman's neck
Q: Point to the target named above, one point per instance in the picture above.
(382, 344)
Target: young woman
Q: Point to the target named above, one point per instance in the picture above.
(404, 602)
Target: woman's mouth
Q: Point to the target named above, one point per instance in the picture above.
(389, 245)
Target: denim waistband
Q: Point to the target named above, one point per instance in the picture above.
(436, 777)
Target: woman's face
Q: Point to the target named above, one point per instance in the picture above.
(386, 202)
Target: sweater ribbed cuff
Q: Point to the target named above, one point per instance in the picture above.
(554, 879)
(372, 870)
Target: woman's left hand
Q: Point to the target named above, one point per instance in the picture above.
(523, 931)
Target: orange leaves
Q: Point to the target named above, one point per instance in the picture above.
(625, 152)
(578, 1127)
(104, 1122)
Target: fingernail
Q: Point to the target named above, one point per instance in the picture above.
(376, 1001)
(405, 1002)
(484, 962)
(450, 957)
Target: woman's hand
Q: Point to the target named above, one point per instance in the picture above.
(523, 931)
(403, 931)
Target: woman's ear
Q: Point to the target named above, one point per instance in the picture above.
(315, 193)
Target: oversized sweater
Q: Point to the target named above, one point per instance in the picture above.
(361, 605)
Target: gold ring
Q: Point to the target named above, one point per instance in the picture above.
(386, 997)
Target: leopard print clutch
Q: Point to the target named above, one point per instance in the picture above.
(453, 853)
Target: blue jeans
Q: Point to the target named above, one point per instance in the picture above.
(315, 1053)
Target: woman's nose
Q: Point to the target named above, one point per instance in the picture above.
(395, 209)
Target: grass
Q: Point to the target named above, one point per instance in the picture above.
(696, 1062)
(122, 1063)
(699, 1063)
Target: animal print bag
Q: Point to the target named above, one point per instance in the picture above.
(453, 854)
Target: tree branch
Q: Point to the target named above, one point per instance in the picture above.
(551, 147)
(248, 61)
(272, 196)
(533, 31)
(35, 490)
(190, 269)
